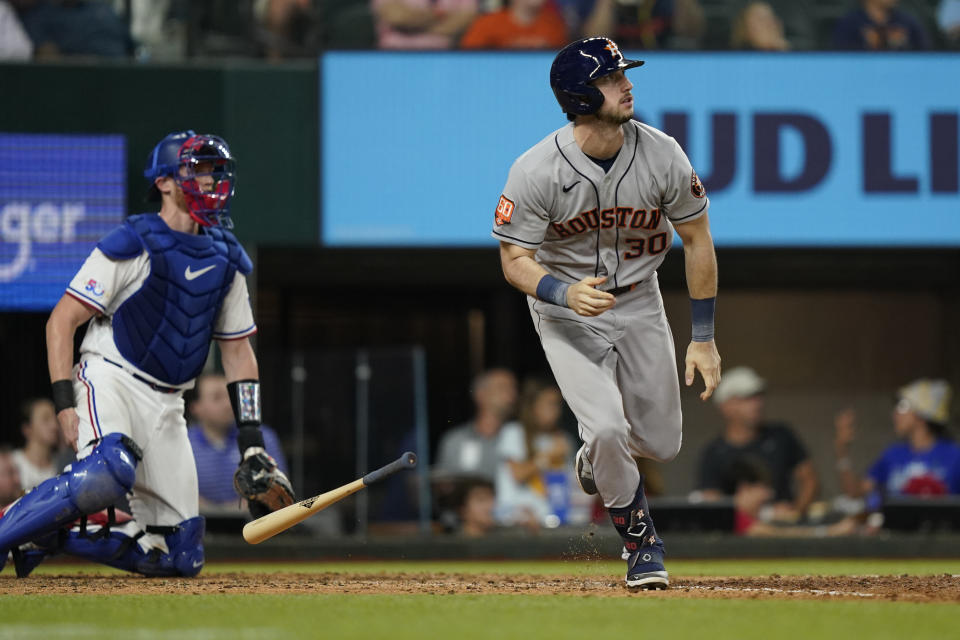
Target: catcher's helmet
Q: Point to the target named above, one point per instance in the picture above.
(580, 63)
(210, 206)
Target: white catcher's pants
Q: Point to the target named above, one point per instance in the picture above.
(110, 400)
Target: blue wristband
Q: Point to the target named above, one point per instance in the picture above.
(551, 290)
(701, 314)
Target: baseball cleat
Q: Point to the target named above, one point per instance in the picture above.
(645, 569)
(585, 472)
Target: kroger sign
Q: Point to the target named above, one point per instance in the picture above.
(58, 195)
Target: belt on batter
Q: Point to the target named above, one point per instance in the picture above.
(152, 385)
(619, 291)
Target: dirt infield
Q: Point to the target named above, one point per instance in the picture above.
(938, 588)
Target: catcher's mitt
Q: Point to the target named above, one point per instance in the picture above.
(258, 479)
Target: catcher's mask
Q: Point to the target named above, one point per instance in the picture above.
(204, 170)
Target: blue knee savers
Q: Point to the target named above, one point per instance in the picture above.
(87, 486)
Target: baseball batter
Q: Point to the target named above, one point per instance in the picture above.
(586, 217)
(154, 291)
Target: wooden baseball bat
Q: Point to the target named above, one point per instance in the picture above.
(282, 519)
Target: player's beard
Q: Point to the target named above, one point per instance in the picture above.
(613, 116)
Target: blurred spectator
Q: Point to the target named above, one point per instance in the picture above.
(10, 488)
(472, 449)
(421, 24)
(758, 28)
(159, 28)
(291, 28)
(879, 26)
(14, 42)
(644, 24)
(755, 514)
(924, 463)
(948, 19)
(748, 439)
(523, 24)
(476, 509)
(529, 450)
(41, 433)
(213, 438)
(74, 28)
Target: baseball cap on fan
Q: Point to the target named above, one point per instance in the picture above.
(929, 399)
(739, 382)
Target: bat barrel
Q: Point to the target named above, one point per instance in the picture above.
(406, 461)
(281, 520)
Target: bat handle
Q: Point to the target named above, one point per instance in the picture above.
(406, 461)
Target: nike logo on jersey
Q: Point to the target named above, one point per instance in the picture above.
(193, 275)
(565, 189)
(197, 565)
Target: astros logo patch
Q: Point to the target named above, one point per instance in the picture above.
(696, 187)
(613, 49)
(504, 211)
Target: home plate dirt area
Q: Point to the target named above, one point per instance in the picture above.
(910, 588)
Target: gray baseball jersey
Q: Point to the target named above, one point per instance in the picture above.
(617, 371)
(584, 222)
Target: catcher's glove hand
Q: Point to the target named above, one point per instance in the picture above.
(258, 479)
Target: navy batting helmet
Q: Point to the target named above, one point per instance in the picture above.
(209, 178)
(580, 63)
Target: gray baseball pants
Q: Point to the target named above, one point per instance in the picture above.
(618, 373)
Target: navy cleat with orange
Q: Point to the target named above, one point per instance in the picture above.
(643, 548)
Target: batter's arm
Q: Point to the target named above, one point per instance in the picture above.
(700, 261)
(62, 325)
(525, 273)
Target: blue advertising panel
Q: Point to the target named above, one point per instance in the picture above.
(796, 150)
(58, 195)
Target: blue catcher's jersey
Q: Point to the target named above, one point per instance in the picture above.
(165, 327)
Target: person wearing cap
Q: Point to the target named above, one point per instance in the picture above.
(748, 439)
(924, 462)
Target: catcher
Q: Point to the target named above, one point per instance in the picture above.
(153, 293)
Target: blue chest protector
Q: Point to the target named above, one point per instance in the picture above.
(165, 328)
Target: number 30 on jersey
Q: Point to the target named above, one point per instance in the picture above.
(645, 246)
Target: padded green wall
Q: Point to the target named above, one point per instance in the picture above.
(267, 113)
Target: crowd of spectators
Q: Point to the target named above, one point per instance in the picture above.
(766, 471)
(278, 29)
(511, 464)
